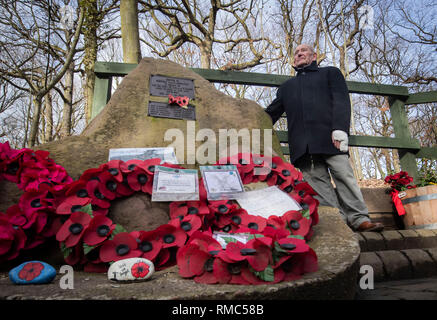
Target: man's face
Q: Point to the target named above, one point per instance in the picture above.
(303, 56)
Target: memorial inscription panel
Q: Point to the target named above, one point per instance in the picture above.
(162, 86)
(165, 110)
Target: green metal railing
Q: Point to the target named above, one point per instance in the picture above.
(408, 148)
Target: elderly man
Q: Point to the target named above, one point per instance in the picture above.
(318, 111)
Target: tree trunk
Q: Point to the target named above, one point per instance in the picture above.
(35, 121)
(48, 116)
(68, 102)
(205, 55)
(129, 31)
(89, 60)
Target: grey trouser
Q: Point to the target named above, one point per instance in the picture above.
(348, 198)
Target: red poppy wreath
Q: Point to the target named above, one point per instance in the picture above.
(53, 204)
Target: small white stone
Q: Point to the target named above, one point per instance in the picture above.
(131, 269)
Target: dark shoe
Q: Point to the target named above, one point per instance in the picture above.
(370, 226)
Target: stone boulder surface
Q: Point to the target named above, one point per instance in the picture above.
(124, 123)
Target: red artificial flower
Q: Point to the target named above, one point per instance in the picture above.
(99, 229)
(299, 264)
(97, 198)
(30, 271)
(122, 246)
(257, 223)
(140, 270)
(139, 179)
(12, 240)
(183, 208)
(255, 252)
(296, 223)
(108, 185)
(189, 224)
(191, 260)
(222, 206)
(114, 168)
(149, 243)
(276, 222)
(73, 229)
(171, 236)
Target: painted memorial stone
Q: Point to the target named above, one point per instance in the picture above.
(32, 272)
(131, 269)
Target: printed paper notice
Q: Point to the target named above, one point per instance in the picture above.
(267, 202)
(222, 181)
(176, 183)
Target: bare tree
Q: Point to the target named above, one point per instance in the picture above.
(172, 24)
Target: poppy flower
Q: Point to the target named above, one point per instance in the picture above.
(75, 256)
(183, 208)
(114, 168)
(30, 271)
(122, 246)
(255, 252)
(309, 203)
(300, 264)
(108, 185)
(150, 164)
(288, 247)
(253, 222)
(12, 240)
(33, 201)
(189, 224)
(149, 244)
(191, 260)
(140, 270)
(171, 236)
(297, 223)
(166, 258)
(138, 179)
(275, 222)
(92, 174)
(99, 229)
(197, 260)
(73, 229)
(97, 198)
(222, 206)
(129, 166)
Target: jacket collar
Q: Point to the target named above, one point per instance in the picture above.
(311, 67)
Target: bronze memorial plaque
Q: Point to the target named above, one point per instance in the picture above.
(162, 86)
(165, 110)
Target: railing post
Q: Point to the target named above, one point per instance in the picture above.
(102, 94)
(401, 129)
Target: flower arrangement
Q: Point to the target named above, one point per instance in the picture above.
(74, 212)
(400, 181)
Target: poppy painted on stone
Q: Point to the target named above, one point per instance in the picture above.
(122, 246)
(73, 229)
(30, 271)
(140, 270)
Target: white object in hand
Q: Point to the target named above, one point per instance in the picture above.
(342, 137)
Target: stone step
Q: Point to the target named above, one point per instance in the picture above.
(397, 240)
(390, 265)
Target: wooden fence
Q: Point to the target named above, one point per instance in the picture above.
(408, 148)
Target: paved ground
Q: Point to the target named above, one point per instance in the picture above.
(411, 289)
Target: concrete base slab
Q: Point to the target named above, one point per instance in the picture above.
(335, 244)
